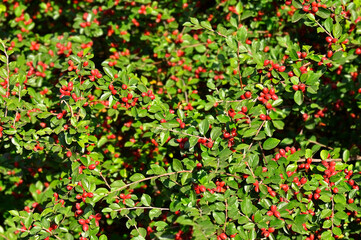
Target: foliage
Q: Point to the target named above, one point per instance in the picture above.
(180, 119)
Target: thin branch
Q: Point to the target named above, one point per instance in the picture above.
(149, 178)
(175, 131)
(322, 145)
(132, 208)
(193, 45)
(135, 225)
(357, 158)
(185, 91)
(264, 157)
(231, 101)
(328, 33)
(71, 110)
(239, 62)
(225, 221)
(7, 77)
(105, 180)
(259, 129)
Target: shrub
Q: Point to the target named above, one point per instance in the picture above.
(180, 119)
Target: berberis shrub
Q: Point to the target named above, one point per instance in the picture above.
(179, 119)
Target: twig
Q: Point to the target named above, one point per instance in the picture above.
(7, 77)
(175, 131)
(71, 110)
(264, 157)
(185, 91)
(105, 180)
(193, 45)
(231, 101)
(149, 178)
(357, 158)
(132, 208)
(225, 221)
(135, 225)
(329, 34)
(239, 62)
(322, 145)
(259, 129)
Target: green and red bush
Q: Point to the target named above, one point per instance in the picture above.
(180, 119)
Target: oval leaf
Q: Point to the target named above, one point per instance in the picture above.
(270, 143)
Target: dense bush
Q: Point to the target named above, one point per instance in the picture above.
(180, 119)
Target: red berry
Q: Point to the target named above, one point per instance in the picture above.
(68, 154)
(273, 208)
(85, 227)
(295, 87)
(281, 68)
(92, 166)
(223, 236)
(226, 135)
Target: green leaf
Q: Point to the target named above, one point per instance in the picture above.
(324, 154)
(323, 12)
(204, 126)
(146, 200)
(103, 237)
(298, 97)
(329, 24)
(206, 25)
(337, 231)
(177, 165)
(337, 30)
(216, 132)
(325, 213)
(219, 217)
(297, 16)
(155, 212)
(246, 206)
(136, 177)
(102, 141)
(270, 143)
(242, 34)
(340, 198)
(346, 155)
(108, 71)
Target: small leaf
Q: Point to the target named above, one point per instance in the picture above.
(219, 217)
(324, 154)
(337, 231)
(204, 126)
(337, 30)
(146, 200)
(346, 155)
(298, 97)
(154, 213)
(109, 72)
(136, 177)
(177, 165)
(329, 24)
(270, 143)
(206, 25)
(246, 206)
(215, 133)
